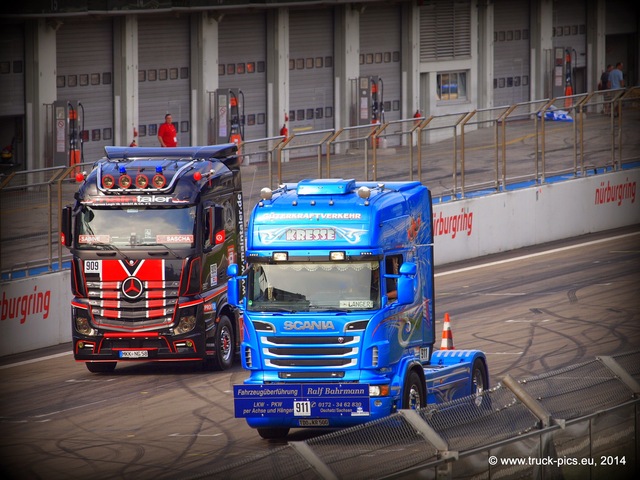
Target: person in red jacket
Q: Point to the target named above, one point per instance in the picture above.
(167, 135)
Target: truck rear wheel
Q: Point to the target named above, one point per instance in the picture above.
(413, 396)
(101, 367)
(224, 343)
(273, 433)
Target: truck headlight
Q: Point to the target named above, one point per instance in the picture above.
(378, 390)
(83, 326)
(185, 325)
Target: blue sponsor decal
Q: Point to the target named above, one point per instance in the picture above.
(301, 400)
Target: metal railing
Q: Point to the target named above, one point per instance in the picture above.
(481, 151)
(575, 422)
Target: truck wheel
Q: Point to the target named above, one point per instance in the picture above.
(224, 345)
(413, 396)
(101, 367)
(479, 381)
(273, 433)
(479, 384)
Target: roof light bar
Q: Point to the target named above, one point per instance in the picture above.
(142, 181)
(108, 181)
(159, 180)
(125, 181)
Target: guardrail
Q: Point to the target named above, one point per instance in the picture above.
(487, 150)
(576, 422)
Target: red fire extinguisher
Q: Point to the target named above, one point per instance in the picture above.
(236, 111)
(568, 82)
(74, 134)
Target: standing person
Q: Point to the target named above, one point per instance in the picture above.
(616, 79)
(604, 85)
(604, 78)
(417, 117)
(167, 135)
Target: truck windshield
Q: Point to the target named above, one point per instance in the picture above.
(294, 287)
(137, 226)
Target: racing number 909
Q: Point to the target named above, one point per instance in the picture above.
(92, 266)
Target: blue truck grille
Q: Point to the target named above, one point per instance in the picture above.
(309, 351)
(320, 362)
(322, 352)
(333, 340)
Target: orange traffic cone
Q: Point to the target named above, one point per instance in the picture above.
(447, 335)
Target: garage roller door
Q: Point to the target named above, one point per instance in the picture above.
(163, 77)
(311, 70)
(85, 74)
(12, 71)
(242, 64)
(511, 52)
(380, 53)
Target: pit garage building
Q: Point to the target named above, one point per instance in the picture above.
(79, 75)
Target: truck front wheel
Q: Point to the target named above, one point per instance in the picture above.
(480, 384)
(273, 433)
(413, 396)
(224, 342)
(479, 377)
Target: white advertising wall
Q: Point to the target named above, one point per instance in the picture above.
(35, 312)
(515, 219)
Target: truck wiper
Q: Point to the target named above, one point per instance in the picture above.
(329, 309)
(110, 246)
(270, 307)
(280, 306)
(169, 249)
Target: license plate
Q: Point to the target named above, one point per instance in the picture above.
(314, 422)
(134, 354)
(301, 408)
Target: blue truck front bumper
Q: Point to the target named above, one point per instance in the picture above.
(309, 405)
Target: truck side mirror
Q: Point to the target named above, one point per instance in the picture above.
(66, 220)
(233, 283)
(218, 230)
(208, 226)
(213, 226)
(406, 283)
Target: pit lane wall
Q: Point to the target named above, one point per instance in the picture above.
(35, 312)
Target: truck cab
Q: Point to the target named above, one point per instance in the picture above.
(338, 305)
(152, 233)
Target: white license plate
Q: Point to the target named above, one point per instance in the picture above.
(301, 408)
(134, 354)
(313, 422)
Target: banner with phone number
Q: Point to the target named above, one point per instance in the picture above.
(301, 400)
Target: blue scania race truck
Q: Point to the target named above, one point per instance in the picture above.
(338, 322)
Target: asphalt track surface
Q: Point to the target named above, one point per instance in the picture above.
(531, 311)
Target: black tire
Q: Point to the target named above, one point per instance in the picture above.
(273, 433)
(224, 345)
(479, 381)
(413, 396)
(480, 384)
(101, 367)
